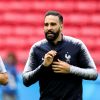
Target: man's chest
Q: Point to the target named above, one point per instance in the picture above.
(64, 54)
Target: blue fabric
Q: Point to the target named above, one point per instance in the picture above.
(11, 87)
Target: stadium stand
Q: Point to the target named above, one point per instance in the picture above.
(21, 25)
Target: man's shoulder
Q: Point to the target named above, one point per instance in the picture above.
(40, 43)
(72, 40)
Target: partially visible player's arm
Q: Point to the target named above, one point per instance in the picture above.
(3, 73)
(3, 78)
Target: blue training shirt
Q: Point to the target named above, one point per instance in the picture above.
(57, 86)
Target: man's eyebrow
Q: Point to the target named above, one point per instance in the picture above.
(50, 23)
(45, 23)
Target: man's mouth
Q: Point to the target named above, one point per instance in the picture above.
(50, 35)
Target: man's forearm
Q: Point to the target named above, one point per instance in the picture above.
(89, 73)
(30, 77)
(3, 78)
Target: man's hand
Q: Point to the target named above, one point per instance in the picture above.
(60, 67)
(48, 58)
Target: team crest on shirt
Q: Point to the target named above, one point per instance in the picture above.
(68, 57)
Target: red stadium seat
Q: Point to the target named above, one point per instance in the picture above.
(21, 24)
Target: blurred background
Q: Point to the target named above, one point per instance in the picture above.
(21, 25)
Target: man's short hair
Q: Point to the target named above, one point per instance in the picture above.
(55, 13)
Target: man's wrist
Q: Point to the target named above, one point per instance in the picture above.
(68, 68)
(44, 65)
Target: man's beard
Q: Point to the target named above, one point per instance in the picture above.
(51, 35)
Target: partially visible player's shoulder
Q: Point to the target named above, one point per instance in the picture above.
(72, 40)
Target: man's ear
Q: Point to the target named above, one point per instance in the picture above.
(61, 26)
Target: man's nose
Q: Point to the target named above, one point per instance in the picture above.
(49, 27)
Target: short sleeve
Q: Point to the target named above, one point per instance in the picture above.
(2, 66)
